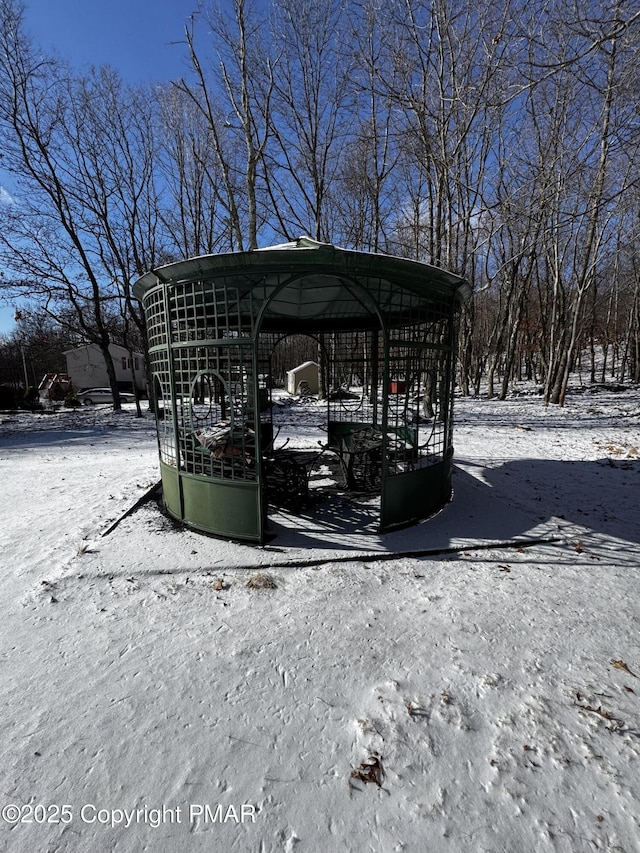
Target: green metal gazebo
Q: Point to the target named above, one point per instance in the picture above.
(384, 330)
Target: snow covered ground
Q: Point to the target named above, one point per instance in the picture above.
(485, 697)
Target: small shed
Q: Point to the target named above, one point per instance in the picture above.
(304, 376)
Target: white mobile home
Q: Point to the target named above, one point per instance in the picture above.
(87, 369)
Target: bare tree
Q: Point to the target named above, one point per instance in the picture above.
(42, 235)
(193, 213)
(233, 97)
(116, 152)
(364, 200)
(565, 161)
(496, 139)
(450, 61)
(310, 114)
(84, 222)
(591, 185)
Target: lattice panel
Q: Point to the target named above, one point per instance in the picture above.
(216, 411)
(162, 396)
(418, 407)
(156, 319)
(206, 310)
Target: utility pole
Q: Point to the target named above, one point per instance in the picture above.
(18, 316)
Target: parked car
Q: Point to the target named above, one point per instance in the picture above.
(102, 395)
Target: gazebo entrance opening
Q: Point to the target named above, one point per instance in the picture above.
(381, 331)
(360, 431)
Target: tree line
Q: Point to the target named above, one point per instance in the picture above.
(496, 139)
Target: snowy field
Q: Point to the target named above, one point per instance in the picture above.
(484, 697)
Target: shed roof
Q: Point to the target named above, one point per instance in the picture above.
(303, 366)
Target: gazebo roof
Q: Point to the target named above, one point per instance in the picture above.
(316, 283)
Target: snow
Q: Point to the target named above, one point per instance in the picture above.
(481, 697)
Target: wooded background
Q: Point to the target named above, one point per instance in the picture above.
(498, 139)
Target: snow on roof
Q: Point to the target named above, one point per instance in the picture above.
(302, 366)
(301, 243)
(312, 257)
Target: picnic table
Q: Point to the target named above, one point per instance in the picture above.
(287, 474)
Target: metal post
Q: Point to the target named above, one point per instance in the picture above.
(24, 367)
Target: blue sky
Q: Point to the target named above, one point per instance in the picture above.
(133, 36)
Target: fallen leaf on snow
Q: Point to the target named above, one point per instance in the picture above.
(607, 715)
(369, 771)
(620, 664)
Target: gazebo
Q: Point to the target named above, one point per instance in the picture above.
(385, 331)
